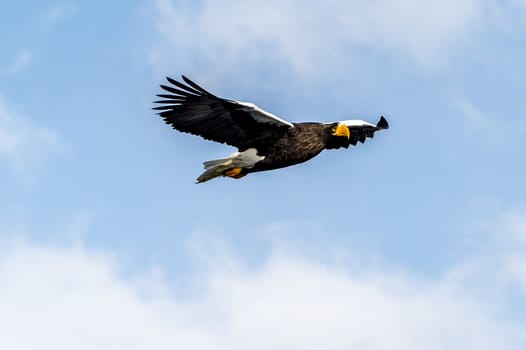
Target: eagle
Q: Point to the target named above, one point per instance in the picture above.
(264, 140)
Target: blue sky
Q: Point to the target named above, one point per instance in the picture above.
(415, 239)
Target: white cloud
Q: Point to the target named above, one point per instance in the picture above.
(308, 37)
(65, 298)
(22, 143)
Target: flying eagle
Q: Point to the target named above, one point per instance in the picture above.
(264, 141)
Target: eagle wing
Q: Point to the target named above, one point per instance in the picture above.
(190, 108)
(361, 130)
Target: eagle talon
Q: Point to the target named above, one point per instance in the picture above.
(234, 173)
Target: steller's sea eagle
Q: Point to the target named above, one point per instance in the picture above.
(264, 141)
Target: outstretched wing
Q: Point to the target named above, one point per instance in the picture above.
(361, 130)
(190, 108)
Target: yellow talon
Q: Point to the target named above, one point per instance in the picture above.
(234, 173)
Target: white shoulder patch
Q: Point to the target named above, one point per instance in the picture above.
(263, 116)
(356, 122)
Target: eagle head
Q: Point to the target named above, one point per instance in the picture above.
(350, 132)
(338, 135)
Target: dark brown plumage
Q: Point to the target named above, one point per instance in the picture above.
(264, 141)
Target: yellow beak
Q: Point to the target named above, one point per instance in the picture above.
(342, 130)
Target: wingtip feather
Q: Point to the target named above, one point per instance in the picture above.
(382, 123)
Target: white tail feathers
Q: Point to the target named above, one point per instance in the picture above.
(212, 163)
(218, 167)
(214, 168)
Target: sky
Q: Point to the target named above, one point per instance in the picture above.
(415, 239)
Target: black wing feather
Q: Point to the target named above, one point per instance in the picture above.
(362, 132)
(190, 108)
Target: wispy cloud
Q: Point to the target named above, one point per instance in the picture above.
(505, 249)
(491, 129)
(20, 62)
(46, 22)
(22, 143)
(76, 298)
(474, 118)
(309, 37)
(57, 13)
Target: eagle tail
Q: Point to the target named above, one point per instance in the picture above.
(215, 168)
(213, 171)
(218, 167)
(233, 166)
(214, 163)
